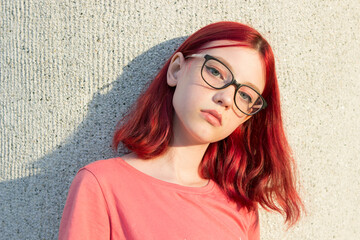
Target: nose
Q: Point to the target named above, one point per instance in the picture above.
(225, 97)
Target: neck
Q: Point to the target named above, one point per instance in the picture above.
(181, 164)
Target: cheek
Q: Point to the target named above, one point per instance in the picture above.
(181, 99)
(187, 96)
(184, 105)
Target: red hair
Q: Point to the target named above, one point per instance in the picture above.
(252, 165)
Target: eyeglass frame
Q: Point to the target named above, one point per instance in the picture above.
(232, 82)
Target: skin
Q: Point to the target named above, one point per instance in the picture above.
(193, 128)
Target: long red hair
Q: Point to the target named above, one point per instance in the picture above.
(252, 165)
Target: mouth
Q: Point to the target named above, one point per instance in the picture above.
(212, 116)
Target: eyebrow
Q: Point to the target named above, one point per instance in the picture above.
(230, 67)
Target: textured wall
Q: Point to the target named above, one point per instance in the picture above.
(70, 69)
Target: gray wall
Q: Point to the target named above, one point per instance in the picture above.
(70, 69)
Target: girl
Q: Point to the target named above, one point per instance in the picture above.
(207, 146)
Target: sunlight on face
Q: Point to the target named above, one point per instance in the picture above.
(204, 114)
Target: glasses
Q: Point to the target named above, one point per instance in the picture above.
(217, 75)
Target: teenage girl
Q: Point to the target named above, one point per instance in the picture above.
(207, 146)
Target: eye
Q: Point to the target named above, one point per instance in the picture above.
(245, 96)
(213, 71)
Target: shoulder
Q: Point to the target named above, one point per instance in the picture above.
(108, 177)
(104, 165)
(112, 164)
(106, 171)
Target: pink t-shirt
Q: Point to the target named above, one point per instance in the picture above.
(110, 199)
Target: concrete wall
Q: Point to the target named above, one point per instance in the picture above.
(70, 69)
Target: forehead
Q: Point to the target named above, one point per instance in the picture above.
(245, 63)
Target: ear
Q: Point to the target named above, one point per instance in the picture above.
(176, 65)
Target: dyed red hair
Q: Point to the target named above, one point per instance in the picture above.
(252, 165)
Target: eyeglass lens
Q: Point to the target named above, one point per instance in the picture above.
(217, 75)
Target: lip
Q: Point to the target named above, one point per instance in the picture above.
(212, 116)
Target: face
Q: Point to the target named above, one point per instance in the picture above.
(204, 114)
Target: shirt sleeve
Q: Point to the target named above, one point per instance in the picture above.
(254, 227)
(85, 215)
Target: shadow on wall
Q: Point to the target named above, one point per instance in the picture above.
(31, 207)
